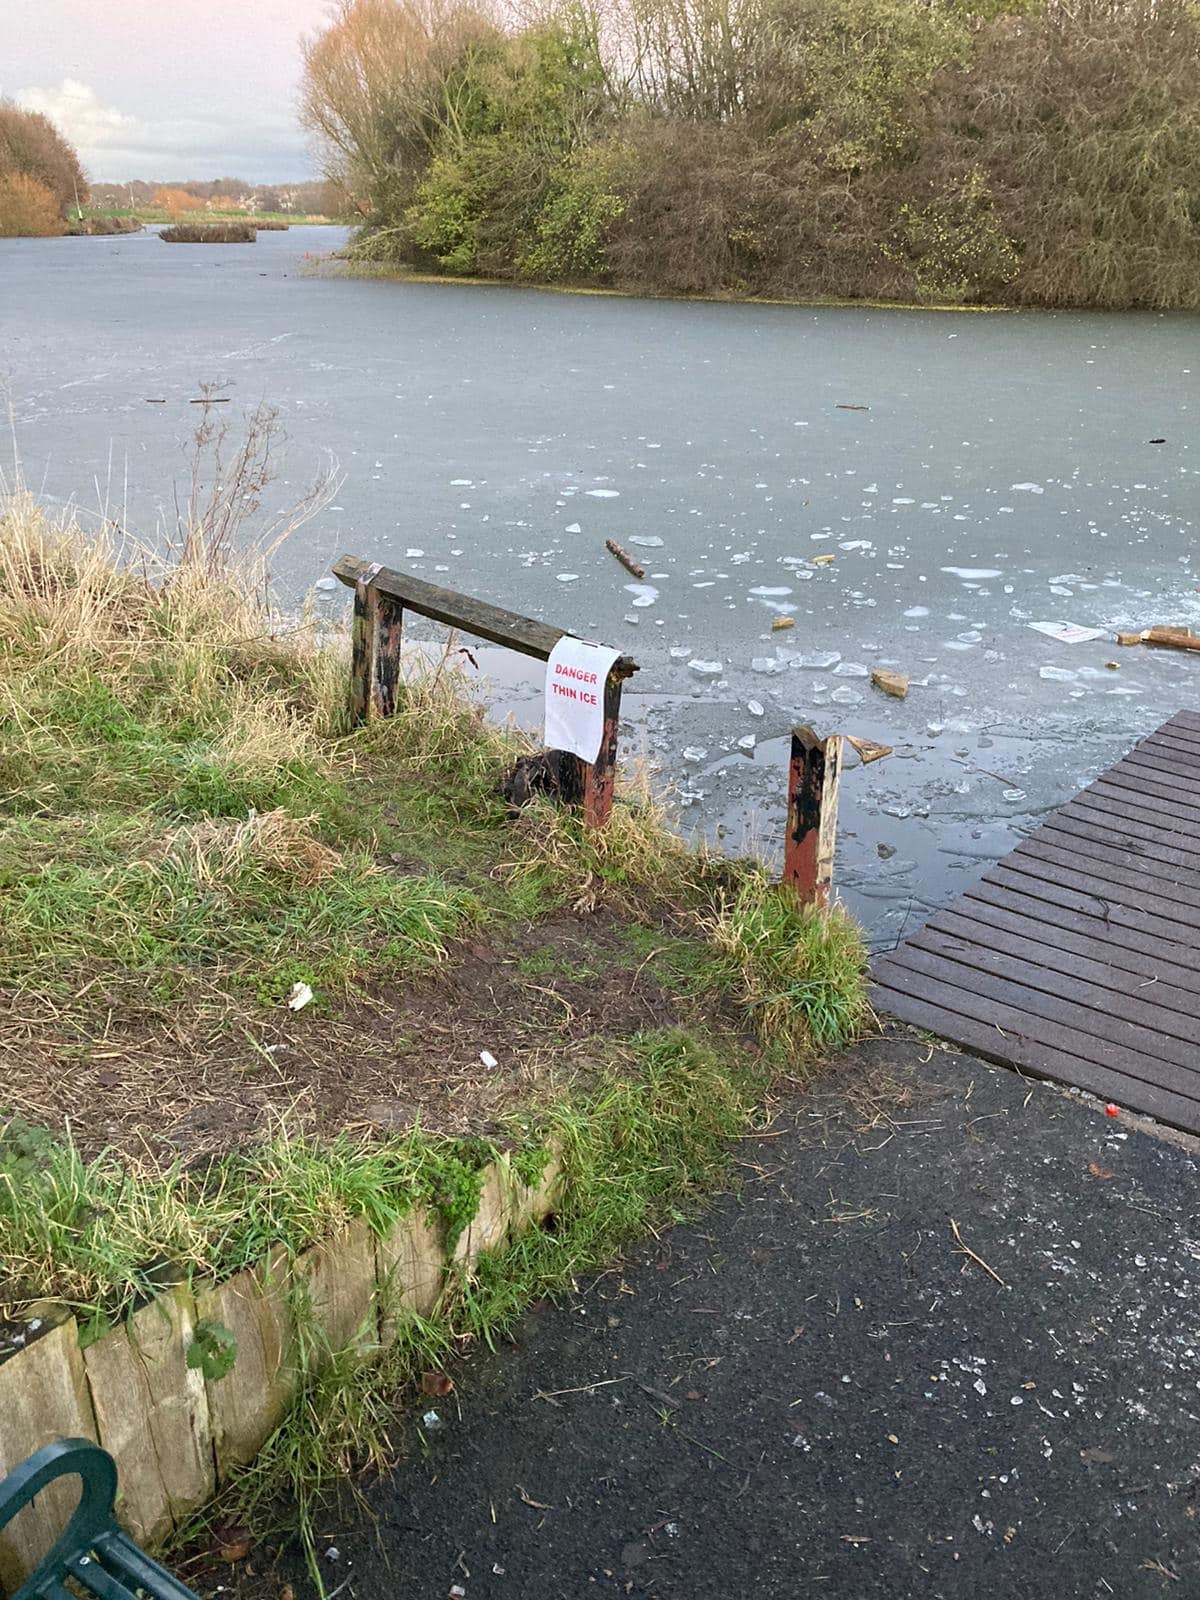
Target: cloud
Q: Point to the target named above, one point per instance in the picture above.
(114, 146)
(76, 109)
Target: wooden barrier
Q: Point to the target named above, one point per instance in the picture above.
(814, 773)
(381, 597)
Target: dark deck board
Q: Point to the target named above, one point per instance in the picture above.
(1077, 957)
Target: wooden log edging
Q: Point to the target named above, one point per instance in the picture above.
(177, 1435)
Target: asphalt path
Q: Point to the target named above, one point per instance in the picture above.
(940, 1341)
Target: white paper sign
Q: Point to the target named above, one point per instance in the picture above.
(1068, 632)
(575, 676)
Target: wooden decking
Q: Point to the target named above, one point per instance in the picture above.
(1077, 957)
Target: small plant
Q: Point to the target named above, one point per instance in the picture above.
(799, 970)
(212, 1351)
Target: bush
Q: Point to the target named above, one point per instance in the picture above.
(27, 209)
(1037, 151)
(956, 245)
(90, 227)
(572, 228)
(210, 233)
(32, 147)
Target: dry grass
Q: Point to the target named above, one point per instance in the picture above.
(210, 233)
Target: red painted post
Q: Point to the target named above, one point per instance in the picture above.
(599, 776)
(813, 777)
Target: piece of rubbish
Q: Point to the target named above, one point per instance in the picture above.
(1068, 632)
(1172, 638)
(1163, 637)
(780, 623)
(488, 1059)
(1112, 1110)
(333, 1553)
(842, 406)
(457, 1592)
(1156, 441)
(300, 996)
(893, 683)
(1113, 666)
(869, 749)
(623, 556)
(821, 561)
(437, 1384)
(977, 1259)
(432, 1422)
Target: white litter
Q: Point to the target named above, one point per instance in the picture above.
(300, 996)
(1067, 632)
(488, 1059)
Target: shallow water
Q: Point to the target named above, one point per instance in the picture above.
(491, 439)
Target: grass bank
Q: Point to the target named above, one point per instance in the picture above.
(191, 837)
(348, 265)
(153, 214)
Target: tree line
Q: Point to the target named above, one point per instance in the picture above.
(1040, 152)
(41, 180)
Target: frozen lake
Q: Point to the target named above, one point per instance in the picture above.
(969, 474)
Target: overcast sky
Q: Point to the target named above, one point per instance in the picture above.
(165, 88)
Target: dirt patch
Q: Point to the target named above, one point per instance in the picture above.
(193, 1084)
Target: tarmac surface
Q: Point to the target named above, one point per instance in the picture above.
(941, 1341)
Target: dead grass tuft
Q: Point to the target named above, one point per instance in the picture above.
(276, 845)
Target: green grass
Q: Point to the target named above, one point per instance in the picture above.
(800, 973)
(639, 1148)
(151, 214)
(188, 827)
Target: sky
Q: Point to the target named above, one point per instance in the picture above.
(166, 89)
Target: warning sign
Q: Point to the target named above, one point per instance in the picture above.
(575, 677)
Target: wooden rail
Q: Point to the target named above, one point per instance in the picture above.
(381, 597)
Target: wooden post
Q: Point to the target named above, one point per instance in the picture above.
(362, 655)
(599, 776)
(389, 630)
(374, 651)
(813, 777)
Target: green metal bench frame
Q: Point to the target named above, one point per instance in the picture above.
(93, 1550)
